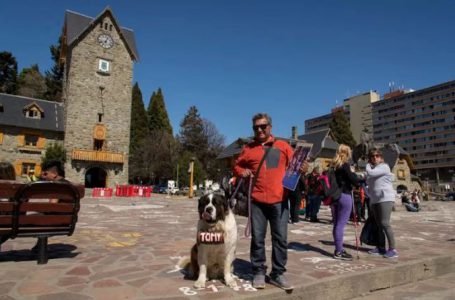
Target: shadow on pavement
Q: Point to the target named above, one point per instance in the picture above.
(55, 251)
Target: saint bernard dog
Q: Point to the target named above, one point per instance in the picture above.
(214, 252)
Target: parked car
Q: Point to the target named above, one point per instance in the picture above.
(172, 191)
(450, 196)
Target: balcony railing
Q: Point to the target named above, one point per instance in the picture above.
(99, 156)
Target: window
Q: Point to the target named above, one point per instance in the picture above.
(401, 174)
(105, 26)
(27, 167)
(1, 108)
(100, 117)
(110, 27)
(98, 145)
(31, 140)
(33, 113)
(1, 138)
(104, 66)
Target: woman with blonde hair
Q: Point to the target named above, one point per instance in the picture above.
(342, 207)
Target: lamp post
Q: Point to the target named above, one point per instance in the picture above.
(191, 171)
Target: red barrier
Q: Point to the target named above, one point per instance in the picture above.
(102, 192)
(128, 191)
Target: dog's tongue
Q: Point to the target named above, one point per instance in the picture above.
(206, 216)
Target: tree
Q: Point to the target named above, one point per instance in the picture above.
(138, 133)
(157, 113)
(339, 125)
(54, 76)
(54, 151)
(31, 82)
(215, 145)
(191, 134)
(8, 73)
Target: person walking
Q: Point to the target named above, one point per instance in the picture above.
(341, 208)
(269, 200)
(382, 198)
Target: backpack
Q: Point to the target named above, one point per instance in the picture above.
(331, 191)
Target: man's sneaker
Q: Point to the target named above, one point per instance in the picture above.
(259, 281)
(377, 251)
(281, 282)
(391, 253)
(343, 255)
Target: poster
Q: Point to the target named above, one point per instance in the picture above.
(292, 175)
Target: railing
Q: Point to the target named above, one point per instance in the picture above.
(101, 156)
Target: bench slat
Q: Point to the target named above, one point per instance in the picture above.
(46, 207)
(44, 220)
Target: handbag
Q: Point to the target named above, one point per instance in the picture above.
(370, 233)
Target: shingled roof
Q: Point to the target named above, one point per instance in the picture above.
(12, 113)
(77, 24)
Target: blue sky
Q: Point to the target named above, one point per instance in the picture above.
(231, 59)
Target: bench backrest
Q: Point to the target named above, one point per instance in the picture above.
(34, 214)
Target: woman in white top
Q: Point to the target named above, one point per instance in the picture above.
(382, 198)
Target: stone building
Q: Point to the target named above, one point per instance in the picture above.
(98, 57)
(94, 120)
(27, 126)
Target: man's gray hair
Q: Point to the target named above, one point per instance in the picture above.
(262, 116)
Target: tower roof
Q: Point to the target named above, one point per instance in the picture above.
(77, 24)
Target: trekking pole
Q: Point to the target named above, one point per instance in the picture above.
(355, 225)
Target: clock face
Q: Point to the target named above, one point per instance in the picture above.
(105, 41)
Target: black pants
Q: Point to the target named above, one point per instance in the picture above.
(277, 215)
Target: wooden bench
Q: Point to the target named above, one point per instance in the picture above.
(27, 212)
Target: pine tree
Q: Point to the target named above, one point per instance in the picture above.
(54, 77)
(341, 130)
(8, 73)
(138, 133)
(191, 134)
(31, 82)
(157, 113)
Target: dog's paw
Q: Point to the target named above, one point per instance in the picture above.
(230, 282)
(199, 284)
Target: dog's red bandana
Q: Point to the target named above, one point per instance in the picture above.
(212, 237)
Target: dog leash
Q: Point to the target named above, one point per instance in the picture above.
(231, 200)
(248, 224)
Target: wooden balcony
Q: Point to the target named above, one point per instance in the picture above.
(99, 156)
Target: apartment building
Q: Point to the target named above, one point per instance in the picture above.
(422, 122)
(357, 110)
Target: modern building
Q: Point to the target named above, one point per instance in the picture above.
(422, 122)
(93, 122)
(357, 110)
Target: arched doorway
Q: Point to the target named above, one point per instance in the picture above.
(95, 177)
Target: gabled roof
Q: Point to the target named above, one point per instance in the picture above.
(77, 24)
(13, 113)
(33, 104)
(323, 144)
(393, 152)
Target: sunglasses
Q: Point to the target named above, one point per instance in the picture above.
(376, 155)
(262, 126)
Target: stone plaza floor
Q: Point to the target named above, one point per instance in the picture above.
(128, 248)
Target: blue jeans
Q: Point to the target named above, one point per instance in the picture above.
(277, 215)
(341, 210)
(314, 206)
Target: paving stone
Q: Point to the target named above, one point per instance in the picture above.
(65, 296)
(6, 287)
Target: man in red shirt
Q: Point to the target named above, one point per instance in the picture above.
(269, 202)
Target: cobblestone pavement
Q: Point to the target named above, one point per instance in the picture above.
(128, 248)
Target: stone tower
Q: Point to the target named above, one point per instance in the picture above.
(98, 57)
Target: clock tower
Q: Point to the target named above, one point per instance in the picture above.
(98, 56)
